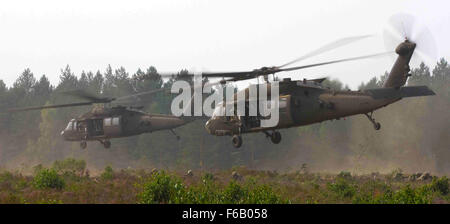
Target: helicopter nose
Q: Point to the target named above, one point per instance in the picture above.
(63, 134)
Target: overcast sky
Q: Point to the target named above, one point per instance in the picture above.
(204, 35)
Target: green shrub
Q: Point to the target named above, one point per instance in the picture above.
(162, 188)
(263, 194)
(440, 185)
(234, 193)
(207, 192)
(408, 195)
(107, 174)
(48, 178)
(208, 177)
(342, 187)
(6, 176)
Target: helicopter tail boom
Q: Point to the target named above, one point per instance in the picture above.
(400, 71)
(406, 91)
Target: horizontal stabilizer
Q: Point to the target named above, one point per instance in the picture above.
(407, 91)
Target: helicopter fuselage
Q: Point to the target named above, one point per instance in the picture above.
(304, 105)
(103, 124)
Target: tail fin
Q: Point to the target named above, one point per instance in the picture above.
(400, 71)
(406, 91)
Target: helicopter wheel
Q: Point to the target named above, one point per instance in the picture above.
(275, 137)
(377, 126)
(237, 141)
(83, 144)
(107, 144)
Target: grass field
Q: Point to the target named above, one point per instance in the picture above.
(68, 181)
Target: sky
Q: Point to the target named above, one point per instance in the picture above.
(205, 35)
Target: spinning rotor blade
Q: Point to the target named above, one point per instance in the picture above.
(243, 75)
(272, 70)
(88, 96)
(94, 99)
(335, 61)
(328, 47)
(403, 26)
(276, 70)
(49, 106)
(138, 98)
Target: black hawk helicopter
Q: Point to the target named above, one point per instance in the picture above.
(304, 102)
(105, 122)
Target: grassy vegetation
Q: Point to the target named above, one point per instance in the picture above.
(68, 181)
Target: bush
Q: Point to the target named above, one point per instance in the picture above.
(6, 176)
(108, 173)
(162, 189)
(207, 192)
(405, 195)
(440, 185)
(342, 187)
(234, 193)
(48, 178)
(264, 194)
(251, 193)
(408, 195)
(208, 177)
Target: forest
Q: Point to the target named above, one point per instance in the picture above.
(414, 134)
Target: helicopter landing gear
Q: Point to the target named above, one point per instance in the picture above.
(174, 133)
(83, 144)
(237, 141)
(106, 144)
(376, 125)
(275, 136)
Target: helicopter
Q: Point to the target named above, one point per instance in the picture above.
(106, 122)
(304, 102)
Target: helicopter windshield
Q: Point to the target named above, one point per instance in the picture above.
(222, 110)
(219, 110)
(70, 125)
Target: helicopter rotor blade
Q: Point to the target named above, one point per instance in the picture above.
(239, 76)
(336, 61)
(49, 106)
(247, 74)
(328, 47)
(88, 96)
(139, 97)
(403, 26)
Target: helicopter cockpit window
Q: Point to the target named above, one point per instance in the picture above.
(107, 121)
(115, 121)
(282, 103)
(69, 126)
(219, 110)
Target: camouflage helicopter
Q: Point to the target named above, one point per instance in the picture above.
(104, 123)
(304, 102)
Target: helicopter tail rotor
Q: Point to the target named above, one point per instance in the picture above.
(402, 27)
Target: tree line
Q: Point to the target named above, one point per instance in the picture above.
(28, 138)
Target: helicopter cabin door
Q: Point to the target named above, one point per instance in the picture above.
(95, 127)
(112, 126)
